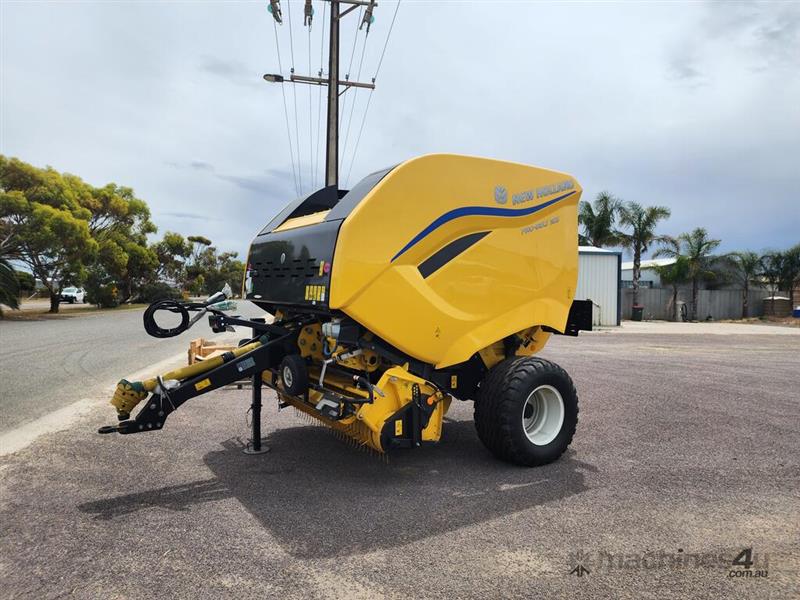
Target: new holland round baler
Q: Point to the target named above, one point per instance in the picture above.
(437, 279)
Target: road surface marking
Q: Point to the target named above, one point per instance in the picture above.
(504, 487)
(60, 419)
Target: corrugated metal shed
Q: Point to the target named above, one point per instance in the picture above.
(599, 281)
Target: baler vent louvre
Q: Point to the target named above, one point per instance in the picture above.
(301, 268)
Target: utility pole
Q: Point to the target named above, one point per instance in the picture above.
(332, 146)
(332, 81)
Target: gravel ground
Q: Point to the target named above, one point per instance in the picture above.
(687, 452)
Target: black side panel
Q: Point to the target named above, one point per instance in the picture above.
(286, 267)
(447, 253)
(356, 195)
(580, 317)
(322, 199)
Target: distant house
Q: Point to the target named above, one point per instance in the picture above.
(649, 277)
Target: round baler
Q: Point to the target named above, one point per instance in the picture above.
(437, 279)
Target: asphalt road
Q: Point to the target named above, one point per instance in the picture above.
(687, 453)
(49, 363)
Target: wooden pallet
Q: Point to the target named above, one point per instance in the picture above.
(202, 349)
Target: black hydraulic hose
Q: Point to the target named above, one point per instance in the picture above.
(173, 306)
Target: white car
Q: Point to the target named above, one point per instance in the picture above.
(73, 295)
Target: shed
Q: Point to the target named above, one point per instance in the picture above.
(599, 277)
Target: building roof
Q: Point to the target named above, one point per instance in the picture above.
(650, 263)
(595, 250)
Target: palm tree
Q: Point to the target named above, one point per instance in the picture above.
(771, 270)
(698, 252)
(791, 271)
(746, 268)
(673, 274)
(642, 222)
(598, 220)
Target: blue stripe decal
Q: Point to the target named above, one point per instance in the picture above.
(484, 211)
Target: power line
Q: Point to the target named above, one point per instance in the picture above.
(294, 90)
(350, 65)
(358, 139)
(319, 99)
(310, 119)
(286, 110)
(388, 35)
(336, 87)
(369, 99)
(355, 95)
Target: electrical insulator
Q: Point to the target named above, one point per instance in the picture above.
(308, 12)
(275, 8)
(368, 18)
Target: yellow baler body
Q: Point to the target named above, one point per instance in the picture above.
(519, 271)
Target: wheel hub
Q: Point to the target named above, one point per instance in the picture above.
(543, 415)
(287, 376)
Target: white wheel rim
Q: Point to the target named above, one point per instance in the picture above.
(543, 415)
(287, 376)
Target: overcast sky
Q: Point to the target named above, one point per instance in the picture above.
(695, 106)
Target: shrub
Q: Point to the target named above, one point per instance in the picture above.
(157, 291)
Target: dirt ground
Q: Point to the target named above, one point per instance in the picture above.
(687, 456)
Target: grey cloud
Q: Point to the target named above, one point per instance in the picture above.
(780, 39)
(683, 68)
(267, 182)
(188, 215)
(201, 165)
(233, 71)
(660, 103)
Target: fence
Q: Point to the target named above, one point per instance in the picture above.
(719, 304)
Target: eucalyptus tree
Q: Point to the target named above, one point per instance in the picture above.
(641, 223)
(9, 286)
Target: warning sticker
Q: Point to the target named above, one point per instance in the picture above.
(246, 364)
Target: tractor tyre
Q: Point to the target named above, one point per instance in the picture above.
(294, 375)
(527, 411)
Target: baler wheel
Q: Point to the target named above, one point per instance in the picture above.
(294, 375)
(527, 411)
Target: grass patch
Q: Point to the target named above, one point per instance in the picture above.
(44, 315)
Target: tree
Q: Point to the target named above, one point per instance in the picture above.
(48, 228)
(698, 250)
(772, 271)
(9, 286)
(598, 220)
(225, 268)
(642, 222)
(790, 272)
(120, 223)
(171, 252)
(198, 262)
(673, 274)
(745, 268)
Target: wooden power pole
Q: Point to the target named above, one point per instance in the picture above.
(332, 80)
(332, 145)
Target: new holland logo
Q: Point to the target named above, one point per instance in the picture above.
(500, 194)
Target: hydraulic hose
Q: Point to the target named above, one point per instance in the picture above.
(173, 306)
